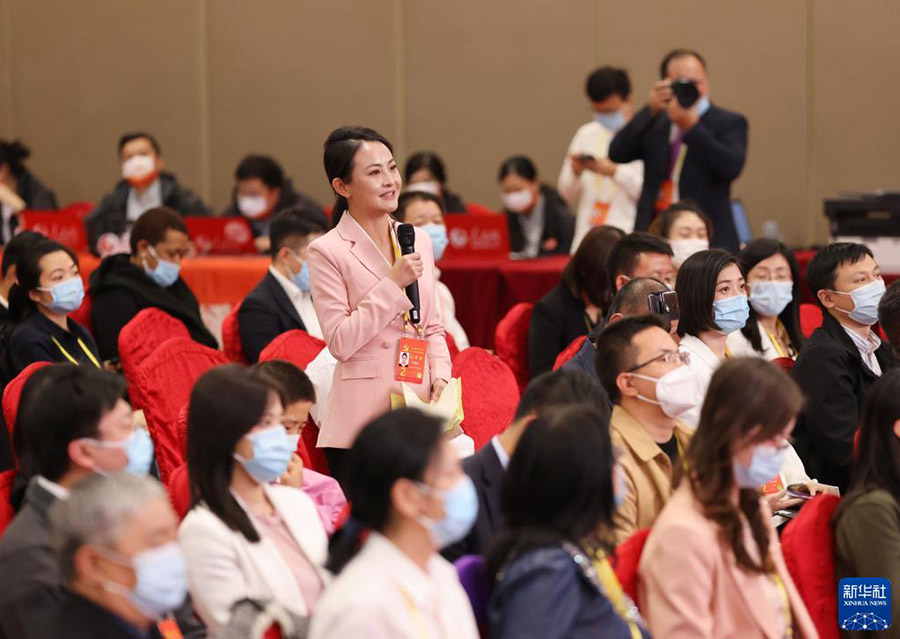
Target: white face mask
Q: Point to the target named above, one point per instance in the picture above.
(433, 187)
(517, 201)
(683, 249)
(677, 392)
(252, 206)
(137, 166)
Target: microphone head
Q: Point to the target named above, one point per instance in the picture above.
(406, 235)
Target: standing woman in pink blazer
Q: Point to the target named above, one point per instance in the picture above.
(358, 280)
(712, 567)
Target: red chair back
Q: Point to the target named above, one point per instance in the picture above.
(7, 477)
(79, 209)
(181, 426)
(812, 565)
(231, 337)
(13, 392)
(784, 363)
(162, 387)
(627, 558)
(569, 352)
(296, 346)
(511, 341)
(479, 209)
(810, 319)
(489, 394)
(180, 490)
(451, 346)
(143, 335)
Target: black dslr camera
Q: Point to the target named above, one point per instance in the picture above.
(686, 92)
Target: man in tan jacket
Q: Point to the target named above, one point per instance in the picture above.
(640, 367)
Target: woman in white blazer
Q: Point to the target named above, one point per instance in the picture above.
(713, 302)
(244, 537)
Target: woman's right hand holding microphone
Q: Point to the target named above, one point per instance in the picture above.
(406, 270)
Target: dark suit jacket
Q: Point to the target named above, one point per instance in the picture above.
(265, 313)
(486, 472)
(32, 341)
(558, 223)
(111, 215)
(716, 150)
(38, 589)
(557, 319)
(832, 376)
(35, 193)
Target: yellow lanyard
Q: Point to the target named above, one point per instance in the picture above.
(776, 343)
(788, 618)
(728, 353)
(414, 612)
(69, 357)
(397, 256)
(621, 603)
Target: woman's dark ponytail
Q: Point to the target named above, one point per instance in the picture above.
(340, 149)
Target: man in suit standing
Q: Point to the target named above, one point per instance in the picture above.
(282, 300)
(487, 467)
(693, 152)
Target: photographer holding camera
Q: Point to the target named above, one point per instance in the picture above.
(691, 149)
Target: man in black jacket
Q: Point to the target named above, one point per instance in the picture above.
(144, 186)
(282, 301)
(841, 360)
(487, 467)
(693, 152)
(125, 284)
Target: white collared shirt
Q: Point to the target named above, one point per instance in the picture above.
(302, 302)
(866, 347)
(4, 302)
(502, 455)
(53, 488)
(137, 204)
(383, 594)
(704, 363)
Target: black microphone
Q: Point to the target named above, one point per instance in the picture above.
(406, 236)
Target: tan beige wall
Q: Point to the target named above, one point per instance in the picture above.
(474, 80)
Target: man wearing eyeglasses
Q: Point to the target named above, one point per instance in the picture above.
(650, 386)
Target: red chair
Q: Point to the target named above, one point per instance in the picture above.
(162, 387)
(181, 426)
(143, 334)
(784, 363)
(312, 456)
(479, 209)
(810, 319)
(231, 337)
(79, 209)
(627, 558)
(511, 341)
(13, 392)
(812, 564)
(569, 352)
(7, 477)
(489, 394)
(180, 490)
(296, 346)
(451, 346)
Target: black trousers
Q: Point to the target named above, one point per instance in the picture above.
(337, 463)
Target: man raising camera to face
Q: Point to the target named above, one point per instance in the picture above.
(691, 148)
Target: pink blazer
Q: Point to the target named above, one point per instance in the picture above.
(361, 314)
(690, 587)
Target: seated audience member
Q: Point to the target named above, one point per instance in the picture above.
(889, 316)
(13, 250)
(298, 396)
(425, 173)
(260, 191)
(282, 300)
(713, 304)
(246, 537)
(632, 299)
(841, 360)
(712, 565)
(601, 191)
(20, 190)
(115, 541)
(640, 255)
(73, 423)
(553, 578)
(49, 288)
(539, 222)
(686, 228)
(487, 467)
(651, 387)
(773, 281)
(575, 305)
(149, 277)
(867, 523)
(426, 211)
(409, 498)
(144, 186)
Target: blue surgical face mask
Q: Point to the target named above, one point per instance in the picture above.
(764, 467)
(865, 300)
(702, 105)
(138, 449)
(438, 235)
(770, 298)
(612, 121)
(731, 313)
(460, 511)
(301, 279)
(166, 273)
(272, 452)
(67, 296)
(161, 583)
